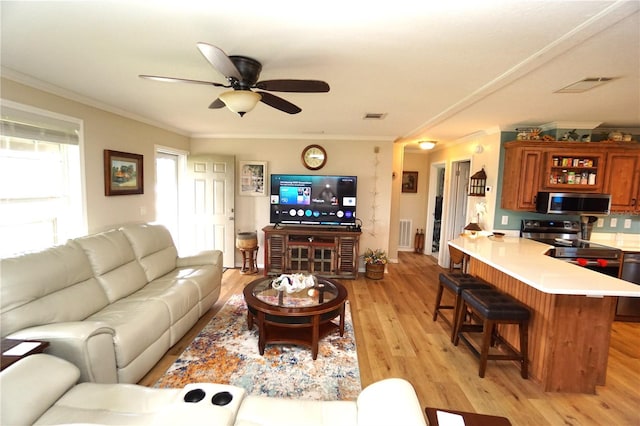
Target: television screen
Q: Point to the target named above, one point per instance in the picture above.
(313, 200)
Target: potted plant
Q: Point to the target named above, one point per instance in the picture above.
(374, 263)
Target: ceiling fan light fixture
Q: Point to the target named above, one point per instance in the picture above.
(240, 101)
(426, 144)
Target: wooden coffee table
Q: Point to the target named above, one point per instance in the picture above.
(300, 318)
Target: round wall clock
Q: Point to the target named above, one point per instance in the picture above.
(314, 157)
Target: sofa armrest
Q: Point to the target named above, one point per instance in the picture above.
(390, 402)
(86, 344)
(207, 257)
(32, 385)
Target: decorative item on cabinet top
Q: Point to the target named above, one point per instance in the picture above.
(477, 184)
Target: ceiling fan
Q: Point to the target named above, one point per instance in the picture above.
(242, 75)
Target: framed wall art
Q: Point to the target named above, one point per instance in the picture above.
(123, 173)
(410, 182)
(252, 178)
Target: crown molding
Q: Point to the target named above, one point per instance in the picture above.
(44, 86)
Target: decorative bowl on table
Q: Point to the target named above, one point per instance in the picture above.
(498, 236)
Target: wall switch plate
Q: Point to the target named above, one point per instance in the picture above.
(614, 222)
(505, 220)
(627, 223)
(600, 223)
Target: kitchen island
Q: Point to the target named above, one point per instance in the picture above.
(572, 308)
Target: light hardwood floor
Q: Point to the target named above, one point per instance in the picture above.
(396, 337)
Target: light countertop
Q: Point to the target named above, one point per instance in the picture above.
(624, 242)
(526, 261)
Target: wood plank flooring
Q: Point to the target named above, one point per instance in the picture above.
(396, 337)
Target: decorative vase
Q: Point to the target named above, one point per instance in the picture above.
(247, 240)
(374, 271)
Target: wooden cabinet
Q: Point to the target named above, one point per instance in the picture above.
(566, 171)
(598, 167)
(521, 176)
(623, 181)
(330, 253)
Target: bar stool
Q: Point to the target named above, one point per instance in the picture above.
(455, 283)
(494, 307)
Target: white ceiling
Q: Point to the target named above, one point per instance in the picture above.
(439, 70)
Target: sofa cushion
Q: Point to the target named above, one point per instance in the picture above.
(179, 296)
(153, 247)
(104, 404)
(50, 286)
(390, 402)
(206, 277)
(114, 263)
(266, 411)
(32, 385)
(137, 324)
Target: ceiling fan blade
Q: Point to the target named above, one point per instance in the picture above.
(179, 80)
(219, 60)
(288, 85)
(278, 103)
(217, 104)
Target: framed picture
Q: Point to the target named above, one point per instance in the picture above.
(252, 178)
(123, 173)
(410, 182)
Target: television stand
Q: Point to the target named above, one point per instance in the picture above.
(329, 252)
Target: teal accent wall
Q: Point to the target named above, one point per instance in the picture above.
(515, 217)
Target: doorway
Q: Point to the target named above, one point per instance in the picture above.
(167, 191)
(195, 201)
(459, 185)
(439, 171)
(454, 208)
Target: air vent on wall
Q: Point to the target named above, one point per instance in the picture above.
(374, 116)
(585, 84)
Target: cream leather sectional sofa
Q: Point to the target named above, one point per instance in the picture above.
(42, 390)
(111, 303)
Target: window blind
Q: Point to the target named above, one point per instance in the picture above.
(26, 125)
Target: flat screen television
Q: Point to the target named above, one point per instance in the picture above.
(313, 200)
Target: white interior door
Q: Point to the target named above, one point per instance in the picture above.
(455, 206)
(460, 186)
(209, 220)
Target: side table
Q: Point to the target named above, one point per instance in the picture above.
(249, 255)
(30, 347)
(470, 419)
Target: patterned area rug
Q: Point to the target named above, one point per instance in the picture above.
(226, 352)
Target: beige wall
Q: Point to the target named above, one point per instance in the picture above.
(377, 190)
(489, 159)
(345, 157)
(105, 130)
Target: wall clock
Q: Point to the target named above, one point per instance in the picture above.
(314, 157)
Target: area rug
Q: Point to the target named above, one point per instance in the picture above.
(226, 351)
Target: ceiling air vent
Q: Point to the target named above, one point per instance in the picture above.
(585, 84)
(374, 116)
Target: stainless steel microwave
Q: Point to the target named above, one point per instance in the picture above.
(573, 203)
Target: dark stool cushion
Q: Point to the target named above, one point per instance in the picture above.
(493, 304)
(458, 282)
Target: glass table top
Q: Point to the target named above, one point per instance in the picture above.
(322, 292)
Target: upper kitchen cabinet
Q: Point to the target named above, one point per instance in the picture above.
(567, 170)
(589, 167)
(623, 180)
(521, 176)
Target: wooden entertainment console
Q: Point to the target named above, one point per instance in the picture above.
(329, 252)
